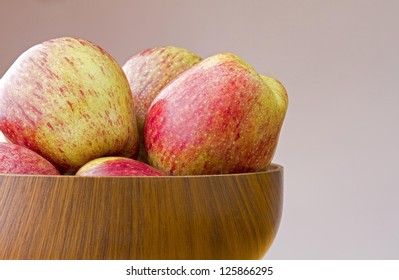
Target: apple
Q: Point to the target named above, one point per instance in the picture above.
(117, 166)
(68, 100)
(15, 159)
(149, 71)
(218, 117)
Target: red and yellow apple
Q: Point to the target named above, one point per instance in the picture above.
(219, 116)
(68, 100)
(117, 166)
(15, 159)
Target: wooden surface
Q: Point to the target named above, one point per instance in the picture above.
(197, 217)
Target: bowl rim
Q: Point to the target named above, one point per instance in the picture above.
(272, 168)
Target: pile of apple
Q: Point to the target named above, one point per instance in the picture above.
(67, 107)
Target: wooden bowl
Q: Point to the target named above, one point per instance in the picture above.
(172, 217)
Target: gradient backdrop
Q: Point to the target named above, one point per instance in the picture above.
(339, 62)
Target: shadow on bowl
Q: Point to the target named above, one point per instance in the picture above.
(172, 217)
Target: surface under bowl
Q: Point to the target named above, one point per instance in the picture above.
(172, 217)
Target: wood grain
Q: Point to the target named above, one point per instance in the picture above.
(187, 217)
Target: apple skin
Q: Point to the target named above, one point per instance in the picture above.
(15, 159)
(68, 100)
(149, 71)
(218, 117)
(117, 166)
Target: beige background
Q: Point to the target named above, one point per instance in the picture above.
(339, 62)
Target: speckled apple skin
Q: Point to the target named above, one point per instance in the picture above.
(218, 117)
(15, 159)
(151, 70)
(148, 72)
(68, 100)
(117, 166)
